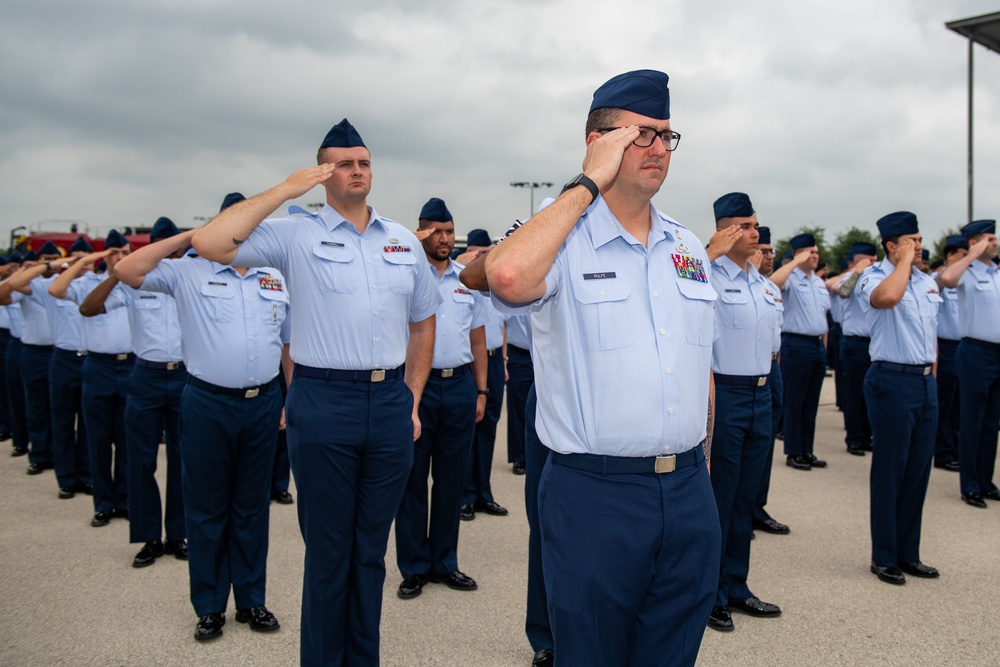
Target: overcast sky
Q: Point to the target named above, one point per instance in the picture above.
(827, 112)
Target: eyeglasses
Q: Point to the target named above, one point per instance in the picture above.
(766, 253)
(647, 135)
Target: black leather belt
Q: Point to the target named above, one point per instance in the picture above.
(245, 392)
(809, 337)
(377, 375)
(494, 352)
(741, 380)
(38, 348)
(104, 356)
(450, 372)
(614, 465)
(982, 343)
(860, 339)
(159, 365)
(71, 354)
(909, 369)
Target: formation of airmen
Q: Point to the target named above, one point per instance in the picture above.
(648, 377)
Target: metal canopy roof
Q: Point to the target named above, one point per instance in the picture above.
(983, 29)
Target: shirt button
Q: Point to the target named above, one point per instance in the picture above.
(670, 411)
(602, 292)
(655, 293)
(378, 340)
(376, 313)
(373, 285)
(369, 261)
(669, 370)
(663, 331)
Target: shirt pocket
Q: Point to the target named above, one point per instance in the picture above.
(219, 301)
(334, 270)
(273, 306)
(148, 309)
(735, 309)
(604, 314)
(699, 315)
(400, 268)
(464, 306)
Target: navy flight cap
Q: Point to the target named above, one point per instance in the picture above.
(163, 228)
(733, 205)
(643, 91)
(115, 240)
(49, 248)
(81, 245)
(479, 238)
(979, 227)
(802, 241)
(956, 241)
(231, 198)
(31, 256)
(342, 135)
(765, 235)
(435, 211)
(897, 224)
(863, 248)
(925, 254)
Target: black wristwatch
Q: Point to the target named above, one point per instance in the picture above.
(483, 392)
(582, 179)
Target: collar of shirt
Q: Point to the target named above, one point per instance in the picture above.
(226, 268)
(607, 227)
(332, 219)
(733, 269)
(887, 267)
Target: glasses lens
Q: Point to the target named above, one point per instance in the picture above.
(646, 137)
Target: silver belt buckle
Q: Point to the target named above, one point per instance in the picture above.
(173, 365)
(81, 353)
(447, 372)
(121, 357)
(252, 393)
(762, 380)
(378, 375)
(665, 464)
(927, 370)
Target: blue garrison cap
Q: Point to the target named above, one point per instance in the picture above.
(163, 228)
(979, 227)
(802, 241)
(3, 261)
(842, 265)
(897, 224)
(863, 248)
(925, 254)
(479, 237)
(849, 255)
(49, 248)
(231, 198)
(956, 241)
(643, 91)
(435, 211)
(31, 256)
(342, 135)
(733, 205)
(81, 245)
(765, 235)
(15, 257)
(115, 240)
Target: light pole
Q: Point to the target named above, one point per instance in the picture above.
(531, 185)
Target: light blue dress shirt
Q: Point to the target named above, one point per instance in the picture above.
(108, 333)
(907, 332)
(806, 301)
(494, 324)
(232, 325)
(518, 328)
(156, 331)
(748, 320)
(949, 323)
(65, 319)
(4, 318)
(354, 293)
(780, 303)
(854, 322)
(622, 339)
(461, 310)
(979, 302)
(16, 319)
(837, 307)
(36, 320)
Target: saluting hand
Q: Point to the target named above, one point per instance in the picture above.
(862, 264)
(757, 258)
(604, 155)
(723, 240)
(978, 248)
(305, 180)
(423, 234)
(905, 251)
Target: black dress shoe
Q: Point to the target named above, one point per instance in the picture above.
(519, 468)
(951, 466)
(867, 446)
(6, 435)
(918, 569)
(769, 525)
(754, 607)
(66, 492)
(974, 499)
(467, 513)
(19, 451)
(148, 554)
(177, 548)
(38, 468)
(100, 519)
(992, 495)
(209, 626)
(258, 618)
(412, 586)
(798, 462)
(856, 451)
(492, 508)
(720, 619)
(890, 575)
(282, 497)
(119, 513)
(84, 488)
(456, 580)
(815, 462)
(543, 658)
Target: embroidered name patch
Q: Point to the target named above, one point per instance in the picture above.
(271, 283)
(147, 296)
(397, 248)
(217, 284)
(332, 244)
(689, 267)
(604, 275)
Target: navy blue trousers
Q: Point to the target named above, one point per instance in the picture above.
(447, 425)
(520, 377)
(154, 407)
(351, 448)
(631, 564)
(4, 399)
(477, 487)
(105, 390)
(15, 394)
(70, 452)
(35, 375)
(979, 400)
(803, 365)
(834, 345)
(739, 449)
(774, 382)
(536, 621)
(903, 412)
(856, 361)
(227, 446)
(946, 445)
(281, 471)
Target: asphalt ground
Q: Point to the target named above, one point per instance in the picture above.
(71, 597)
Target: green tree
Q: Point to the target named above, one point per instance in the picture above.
(845, 240)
